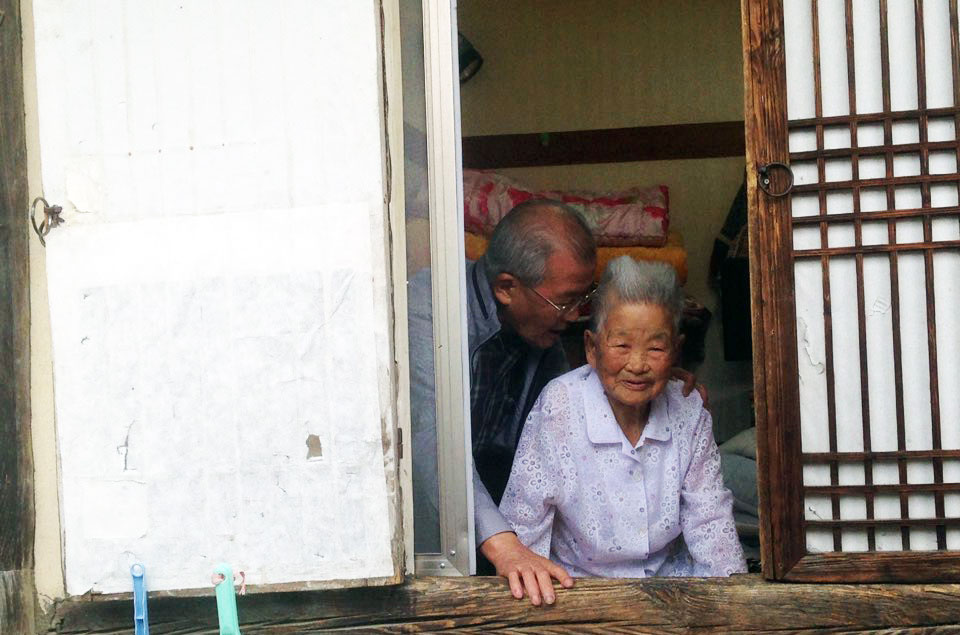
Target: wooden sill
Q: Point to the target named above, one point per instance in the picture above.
(739, 604)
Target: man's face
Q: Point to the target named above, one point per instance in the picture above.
(566, 281)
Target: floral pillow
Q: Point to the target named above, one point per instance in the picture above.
(637, 216)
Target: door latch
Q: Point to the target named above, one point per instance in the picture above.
(51, 218)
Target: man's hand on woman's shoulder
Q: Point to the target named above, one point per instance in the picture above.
(689, 383)
(523, 569)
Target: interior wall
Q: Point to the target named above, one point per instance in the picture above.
(572, 65)
(569, 64)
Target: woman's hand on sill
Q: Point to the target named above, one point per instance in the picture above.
(523, 569)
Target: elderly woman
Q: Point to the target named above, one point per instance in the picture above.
(617, 473)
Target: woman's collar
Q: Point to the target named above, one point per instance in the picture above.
(602, 426)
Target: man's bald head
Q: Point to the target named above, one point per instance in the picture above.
(529, 233)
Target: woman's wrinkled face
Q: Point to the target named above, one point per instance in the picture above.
(633, 353)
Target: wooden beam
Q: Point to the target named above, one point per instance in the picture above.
(671, 605)
(611, 145)
(16, 462)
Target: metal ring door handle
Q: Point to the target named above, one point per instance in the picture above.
(763, 181)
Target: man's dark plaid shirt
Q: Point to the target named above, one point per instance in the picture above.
(500, 402)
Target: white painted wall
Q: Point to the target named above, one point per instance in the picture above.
(221, 169)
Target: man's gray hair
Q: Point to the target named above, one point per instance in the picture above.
(528, 234)
(629, 281)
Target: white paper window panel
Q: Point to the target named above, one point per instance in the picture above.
(228, 416)
(168, 107)
(881, 388)
(218, 295)
(799, 50)
(901, 42)
(801, 98)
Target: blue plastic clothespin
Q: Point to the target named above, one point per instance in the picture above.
(140, 624)
(226, 601)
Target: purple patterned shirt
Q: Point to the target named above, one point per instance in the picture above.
(582, 495)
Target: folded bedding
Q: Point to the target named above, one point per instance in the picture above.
(738, 457)
(672, 253)
(637, 216)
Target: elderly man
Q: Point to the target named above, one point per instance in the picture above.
(530, 284)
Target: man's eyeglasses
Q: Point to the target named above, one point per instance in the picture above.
(570, 307)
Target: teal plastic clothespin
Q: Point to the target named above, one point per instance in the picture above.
(140, 624)
(226, 601)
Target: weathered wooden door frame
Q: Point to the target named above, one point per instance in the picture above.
(780, 475)
(771, 281)
(17, 591)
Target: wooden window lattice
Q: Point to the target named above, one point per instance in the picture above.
(871, 194)
(826, 254)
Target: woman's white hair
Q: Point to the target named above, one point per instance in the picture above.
(629, 281)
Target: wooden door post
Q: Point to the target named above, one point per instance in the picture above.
(17, 592)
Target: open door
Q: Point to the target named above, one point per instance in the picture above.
(855, 270)
(220, 294)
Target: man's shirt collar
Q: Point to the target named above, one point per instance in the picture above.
(482, 307)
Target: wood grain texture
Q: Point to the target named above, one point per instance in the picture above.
(744, 604)
(940, 245)
(893, 181)
(944, 212)
(932, 361)
(866, 436)
(779, 451)
(779, 475)
(916, 566)
(874, 117)
(894, 268)
(17, 602)
(613, 145)
(890, 455)
(829, 363)
(868, 151)
(888, 522)
(16, 464)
